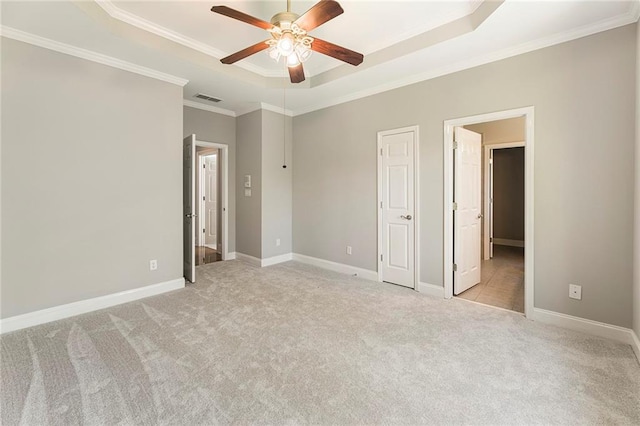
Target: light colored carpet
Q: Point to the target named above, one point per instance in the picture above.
(293, 344)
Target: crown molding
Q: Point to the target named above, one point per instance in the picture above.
(634, 10)
(276, 109)
(607, 24)
(132, 19)
(210, 108)
(89, 55)
(264, 106)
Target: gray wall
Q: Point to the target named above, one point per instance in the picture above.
(212, 127)
(276, 184)
(636, 251)
(249, 162)
(508, 193)
(91, 179)
(584, 107)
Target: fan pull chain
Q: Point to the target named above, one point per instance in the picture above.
(284, 116)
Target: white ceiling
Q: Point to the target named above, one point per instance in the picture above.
(403, 41)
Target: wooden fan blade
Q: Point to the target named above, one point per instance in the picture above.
(258, 47)
(338, 52)
(296, 73)
(232, 13)
(321, 12)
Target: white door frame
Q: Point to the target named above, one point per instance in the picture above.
(528, 113)
(224, 186)
(416, 200)
(488, 217)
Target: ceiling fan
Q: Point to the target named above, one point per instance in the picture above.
(290, 39)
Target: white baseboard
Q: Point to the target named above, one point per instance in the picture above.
(83, 306)
(337, 267)
(431, 289)
(595, 328)
(507, 242)
(635, 344)
(231, 256)
(253, 261)
(276, 259)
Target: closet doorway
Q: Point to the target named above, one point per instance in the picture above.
(489, 209)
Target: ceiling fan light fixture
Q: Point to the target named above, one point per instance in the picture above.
(286, 44)
(303, 52)
(293, 60)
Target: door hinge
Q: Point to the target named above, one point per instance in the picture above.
(455, 267)
(380, 204)
(203, 199)
(380, 258)
(490, 160)
(203, 231)
(455, 145)
(454, 206)
(204, 166)
(490, 239)
(380, 151)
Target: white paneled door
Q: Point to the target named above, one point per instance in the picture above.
(467, 213)
(211, 200)
(397, 207)
(189, 206)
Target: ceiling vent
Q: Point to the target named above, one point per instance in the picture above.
(207, 98)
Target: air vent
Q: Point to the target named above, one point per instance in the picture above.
(207, 98)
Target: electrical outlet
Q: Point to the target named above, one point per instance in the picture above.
(575, 291)
(153, 265)
(349, 250)
(277, 242)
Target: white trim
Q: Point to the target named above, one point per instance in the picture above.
(488, 217)
(416, 200)
(231, 256)
(529, 281)
(594, 328)
(431, 289)
(83, 306)
(607, 24)
(508, 242)
(143, 24)
(210, 108)
(276, 259)
(511, 311)
(336, 267)
(224, 185)
(253, 261)
(635, 344)
(265, 106)
(89, 55)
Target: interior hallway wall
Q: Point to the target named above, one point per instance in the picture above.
(583, 107)
(249, 162)
(636, 251)
(508, 194)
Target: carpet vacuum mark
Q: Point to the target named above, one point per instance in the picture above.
(294, 344)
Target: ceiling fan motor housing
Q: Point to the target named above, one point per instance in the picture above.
(284, 20)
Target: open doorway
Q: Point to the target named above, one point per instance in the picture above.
(205, 198)
(489, 219)
(209, 209)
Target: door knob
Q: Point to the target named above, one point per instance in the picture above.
(407, 217)
(480, 216)
(190, 215)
